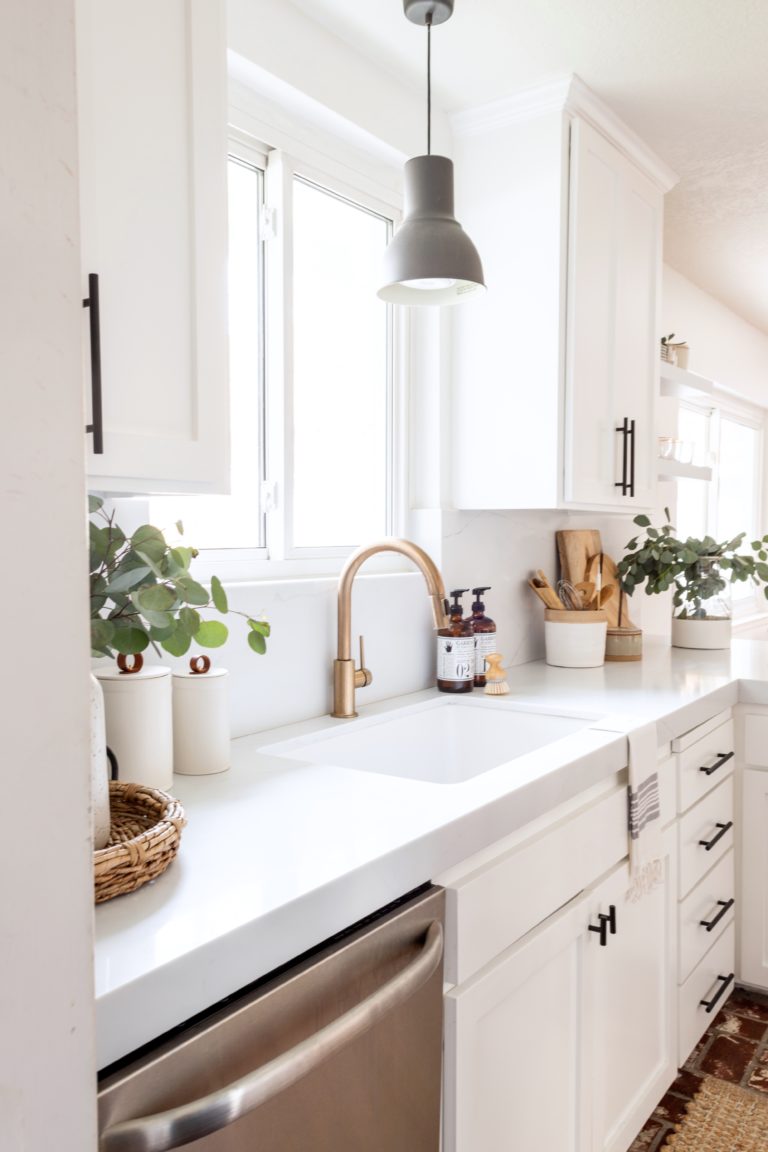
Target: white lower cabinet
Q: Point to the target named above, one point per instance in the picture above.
(513, 1042)
(754, 883)
(560, 1013)
(629, 1006)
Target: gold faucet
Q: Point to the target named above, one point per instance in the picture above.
(346, 678)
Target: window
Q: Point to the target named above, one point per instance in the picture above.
(730, 438)
(312, 380)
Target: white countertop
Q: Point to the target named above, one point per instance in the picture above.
(278, 857)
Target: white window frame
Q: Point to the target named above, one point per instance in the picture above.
(280, 559)
(716, 406)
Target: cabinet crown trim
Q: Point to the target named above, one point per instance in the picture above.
(570, 95)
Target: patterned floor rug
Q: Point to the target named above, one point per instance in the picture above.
(722, 1118)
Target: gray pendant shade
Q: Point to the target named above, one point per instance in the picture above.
(430, 259)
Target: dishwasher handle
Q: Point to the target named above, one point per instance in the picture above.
(180, 1126)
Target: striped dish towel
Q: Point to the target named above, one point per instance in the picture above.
(645, 842)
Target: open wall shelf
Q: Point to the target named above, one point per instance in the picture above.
(681, 383)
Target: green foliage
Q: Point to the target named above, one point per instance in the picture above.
(142, 593)
(697, 570)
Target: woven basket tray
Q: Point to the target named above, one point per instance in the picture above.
(144, 837)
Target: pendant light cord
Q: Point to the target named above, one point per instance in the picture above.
(429, 83)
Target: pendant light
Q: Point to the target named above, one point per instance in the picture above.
(430, 260)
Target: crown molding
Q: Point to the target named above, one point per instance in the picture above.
(570, 96)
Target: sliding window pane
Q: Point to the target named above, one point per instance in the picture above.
(341, 372)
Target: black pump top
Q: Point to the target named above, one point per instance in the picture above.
(478, 605)
(456, 608)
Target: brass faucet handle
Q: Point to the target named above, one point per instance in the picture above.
(363, 677)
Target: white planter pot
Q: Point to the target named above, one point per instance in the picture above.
(705, 633)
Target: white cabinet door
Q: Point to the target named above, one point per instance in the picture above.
(614, 262)
(629, 1005)
(513, 1047)
(153, 132)
(753, 912)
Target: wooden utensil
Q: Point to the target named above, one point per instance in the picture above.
(586, 590)
(541, 578)
(545, 592)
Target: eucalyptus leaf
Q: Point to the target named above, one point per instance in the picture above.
(190, 591)
(257, 642)
(211, 634)
(260, 626)
(189, 620)
(150, 542)
(102, 632)
(218, 595)
(95, 503)
(128, 578)
(129, 641)
(156, 598)
(178, 643)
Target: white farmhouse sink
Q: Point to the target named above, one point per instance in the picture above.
(441, 741)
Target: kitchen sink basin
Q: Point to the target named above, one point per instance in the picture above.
(442, 741)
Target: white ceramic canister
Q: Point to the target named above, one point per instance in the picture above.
(201, 732)
(574, 639)
(137, 706)
(99, 768)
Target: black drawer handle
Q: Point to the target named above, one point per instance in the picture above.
(91, 302)
(623, 483)
(709, 844)
(723, 905)
(710, 1004)
(632, 458)
(724, 758)
(607, 924)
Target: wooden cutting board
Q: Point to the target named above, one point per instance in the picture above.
(575, 548)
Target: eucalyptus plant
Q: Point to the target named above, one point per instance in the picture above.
(142, 593)
(697, 570)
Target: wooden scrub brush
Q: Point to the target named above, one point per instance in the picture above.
(495, 684)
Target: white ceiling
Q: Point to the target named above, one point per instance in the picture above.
(690, 76)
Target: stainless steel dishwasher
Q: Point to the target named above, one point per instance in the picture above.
(340, 1052)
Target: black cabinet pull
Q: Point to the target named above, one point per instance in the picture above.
(91, 302)
(724, 758)
(709, 844)
(723, 905)
(623, 484)
(607, 924)
(710, 1004)
(631, 458)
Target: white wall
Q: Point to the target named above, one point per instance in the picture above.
(47, 1063)
(724, 347)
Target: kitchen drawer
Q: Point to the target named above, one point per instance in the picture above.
(495, 905)
(702, 766)
(704, 983)
(708, 822)
(708, 902)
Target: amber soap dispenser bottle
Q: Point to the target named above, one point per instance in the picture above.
(456, 650)
(485, 635)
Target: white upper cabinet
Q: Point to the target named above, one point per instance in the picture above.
(556, 367)
(153, 142)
